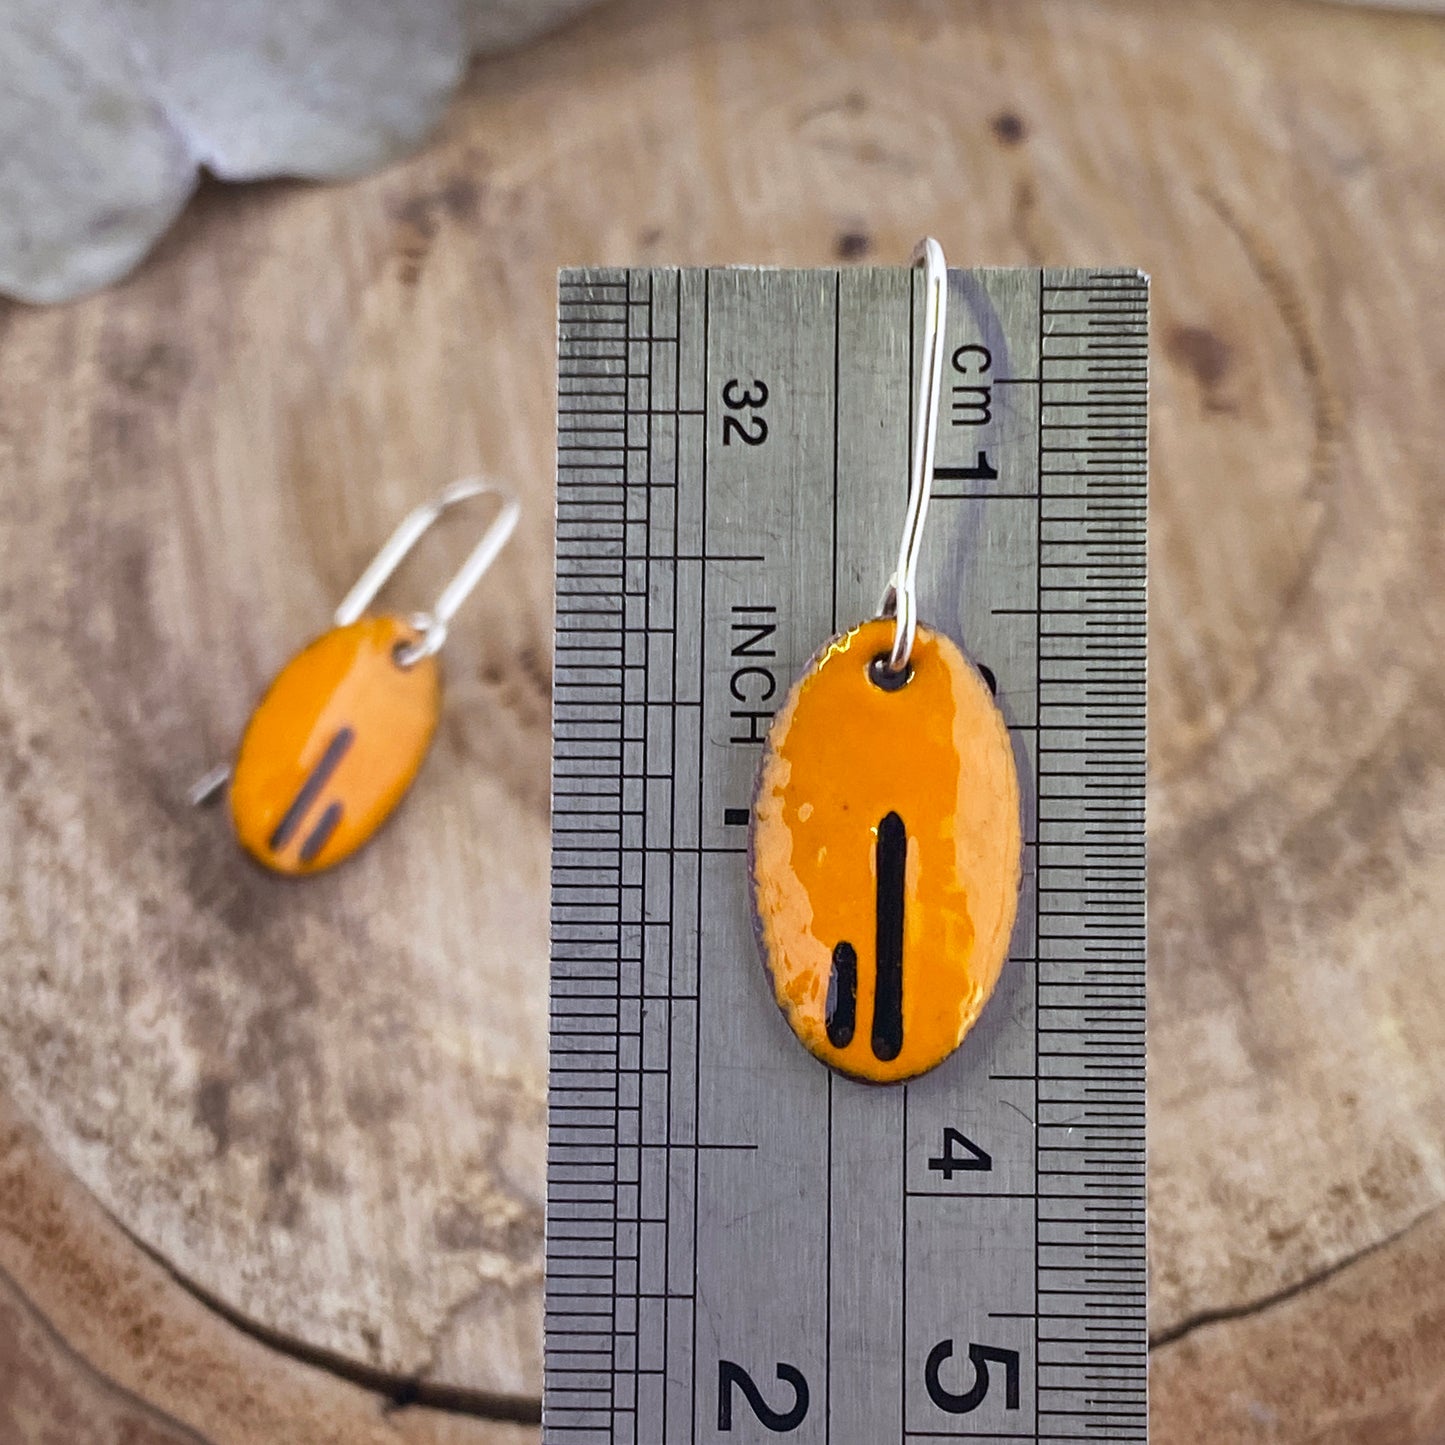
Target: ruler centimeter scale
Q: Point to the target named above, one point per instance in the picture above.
(741, 1246)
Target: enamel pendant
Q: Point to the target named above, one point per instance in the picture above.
(333, 745)
(886, 843)
(340, 734)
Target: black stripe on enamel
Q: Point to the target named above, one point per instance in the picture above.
(320, 775)
(842, 1012)
(892, 860)
(322, 832)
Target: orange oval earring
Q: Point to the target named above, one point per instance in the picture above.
(338, 737)
(886, 844)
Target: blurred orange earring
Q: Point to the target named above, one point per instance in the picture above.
(341, 732)
(886, 843)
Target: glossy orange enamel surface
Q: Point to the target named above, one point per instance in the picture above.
(874, 804)
(333, 745)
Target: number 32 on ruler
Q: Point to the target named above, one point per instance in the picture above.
(733, 1378)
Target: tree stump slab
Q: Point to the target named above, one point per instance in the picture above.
(310, 1116)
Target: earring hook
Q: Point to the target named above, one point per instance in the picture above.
(432, 625)
(900, 601)
(409, 531)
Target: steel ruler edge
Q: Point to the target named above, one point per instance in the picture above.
(741, 1246)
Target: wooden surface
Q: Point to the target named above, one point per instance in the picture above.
(99, 1346)
(298, 1128)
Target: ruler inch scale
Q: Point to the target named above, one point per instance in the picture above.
(741, 1246)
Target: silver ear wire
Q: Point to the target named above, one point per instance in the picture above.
(432, 625)
(409, 531)
(900, 600)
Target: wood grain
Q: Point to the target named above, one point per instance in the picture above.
(1353, 1359)
(99, 1345)
(321, 1104)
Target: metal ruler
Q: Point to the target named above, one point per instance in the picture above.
(741, 1246)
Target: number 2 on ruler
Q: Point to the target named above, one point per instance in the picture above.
(732, 1376)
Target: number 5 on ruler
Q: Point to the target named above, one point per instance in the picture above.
(980, 1357)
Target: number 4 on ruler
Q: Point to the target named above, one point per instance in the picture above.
(948, 1162)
